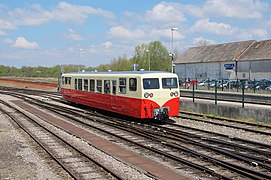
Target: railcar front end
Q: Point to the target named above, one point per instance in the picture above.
(161, 97)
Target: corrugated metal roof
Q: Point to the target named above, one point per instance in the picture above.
(214, 53)
(260, 50)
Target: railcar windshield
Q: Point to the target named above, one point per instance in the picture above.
(168, 83)
(151, 83)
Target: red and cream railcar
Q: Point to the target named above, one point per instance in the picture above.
(139, 94)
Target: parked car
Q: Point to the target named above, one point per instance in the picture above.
(262, 84)
(203, 83)
(268, 88)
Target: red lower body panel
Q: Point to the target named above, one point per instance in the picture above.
(138, 108)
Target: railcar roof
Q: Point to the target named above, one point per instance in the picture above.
(116, 72)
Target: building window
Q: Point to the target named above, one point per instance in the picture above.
(132, 84)
(86, 84)
(122, 85)
(99, 86)
(91, 85)
(107, 86)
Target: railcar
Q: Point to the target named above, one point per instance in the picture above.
(139, 94)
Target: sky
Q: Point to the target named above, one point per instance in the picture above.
(94, 32)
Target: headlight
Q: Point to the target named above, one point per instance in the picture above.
(176, 93)
(146, 95)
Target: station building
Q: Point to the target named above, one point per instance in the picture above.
(243, 60)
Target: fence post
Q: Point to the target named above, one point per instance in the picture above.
(254, 85)
(237, 84)
(243, 94)
(196, 83)
(222, 84)
(193, 92)
(208, 83)
(215, 92)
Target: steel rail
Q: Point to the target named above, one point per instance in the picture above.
(75, 148)
(226, 125)
(73, 175)
(248, 173)
(226, 119)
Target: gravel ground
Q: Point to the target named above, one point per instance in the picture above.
(225, 130)
(19, 158)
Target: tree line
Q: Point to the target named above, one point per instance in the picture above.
(153, 56)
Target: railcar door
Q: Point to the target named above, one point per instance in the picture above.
(114, 97)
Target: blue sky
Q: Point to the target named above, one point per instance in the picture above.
(48, 33)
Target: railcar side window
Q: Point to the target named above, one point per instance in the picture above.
(169, 83)
(86, 84)
(99, 86)
(151, 83)
(114, 86)
(92, 85)
(122, 85)
(107, 86)
(80, 84)
(132, 84)
(75, 83)
(63, 80)
(67, 80)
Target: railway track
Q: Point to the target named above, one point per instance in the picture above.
(232, 123)
(80, 132)
(166, 137)
(190, 149)
(74, 161)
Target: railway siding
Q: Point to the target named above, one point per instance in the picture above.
(260, 113)
(150, 166)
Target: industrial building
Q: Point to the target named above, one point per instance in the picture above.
(243, 60)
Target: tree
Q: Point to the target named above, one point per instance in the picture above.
(156, 53)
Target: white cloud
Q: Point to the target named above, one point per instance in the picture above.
(8, 41)
(76, 13)
(163, 13)
(194, 10)
(21, 42)
(202, 41)
(241, 9)
(73, 36)
(36, 15)
(166, 33)
(205, 26)
(2, 33)
(122, 32)
(6, 24)
(262, 33)
(107, 44)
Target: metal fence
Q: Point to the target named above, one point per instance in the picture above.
(227, 85)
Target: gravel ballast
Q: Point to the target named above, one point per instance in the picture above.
(19, 157)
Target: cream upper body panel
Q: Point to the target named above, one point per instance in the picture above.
(137, 77)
